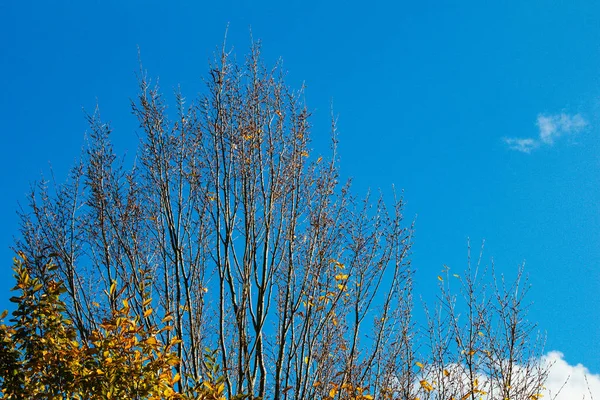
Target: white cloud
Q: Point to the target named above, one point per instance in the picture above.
(551, 127)
(564, 381)
(576, 386)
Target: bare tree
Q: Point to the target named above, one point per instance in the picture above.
(482, 346)
(227, 227)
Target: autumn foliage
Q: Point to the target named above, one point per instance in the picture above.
(42, 357)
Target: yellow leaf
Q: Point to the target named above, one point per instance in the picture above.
(332, 392)
(306, 360)
(418, 364)
(113, 287)
(456, 275)
(341, 277)
(426, 385)
(446, 373)
(440, 278)
(173, 362)
(147, 312)
(151, 341)
(176, 378)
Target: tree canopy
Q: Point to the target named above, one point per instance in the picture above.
(229, 261)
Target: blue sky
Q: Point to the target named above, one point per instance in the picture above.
(488, 116)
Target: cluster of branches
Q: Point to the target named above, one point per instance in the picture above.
(479, 341)
(228, 225)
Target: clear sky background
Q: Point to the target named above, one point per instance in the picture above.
(488, 116)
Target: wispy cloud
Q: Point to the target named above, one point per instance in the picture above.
(551, 127)
(522, 145)
(554, 126)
